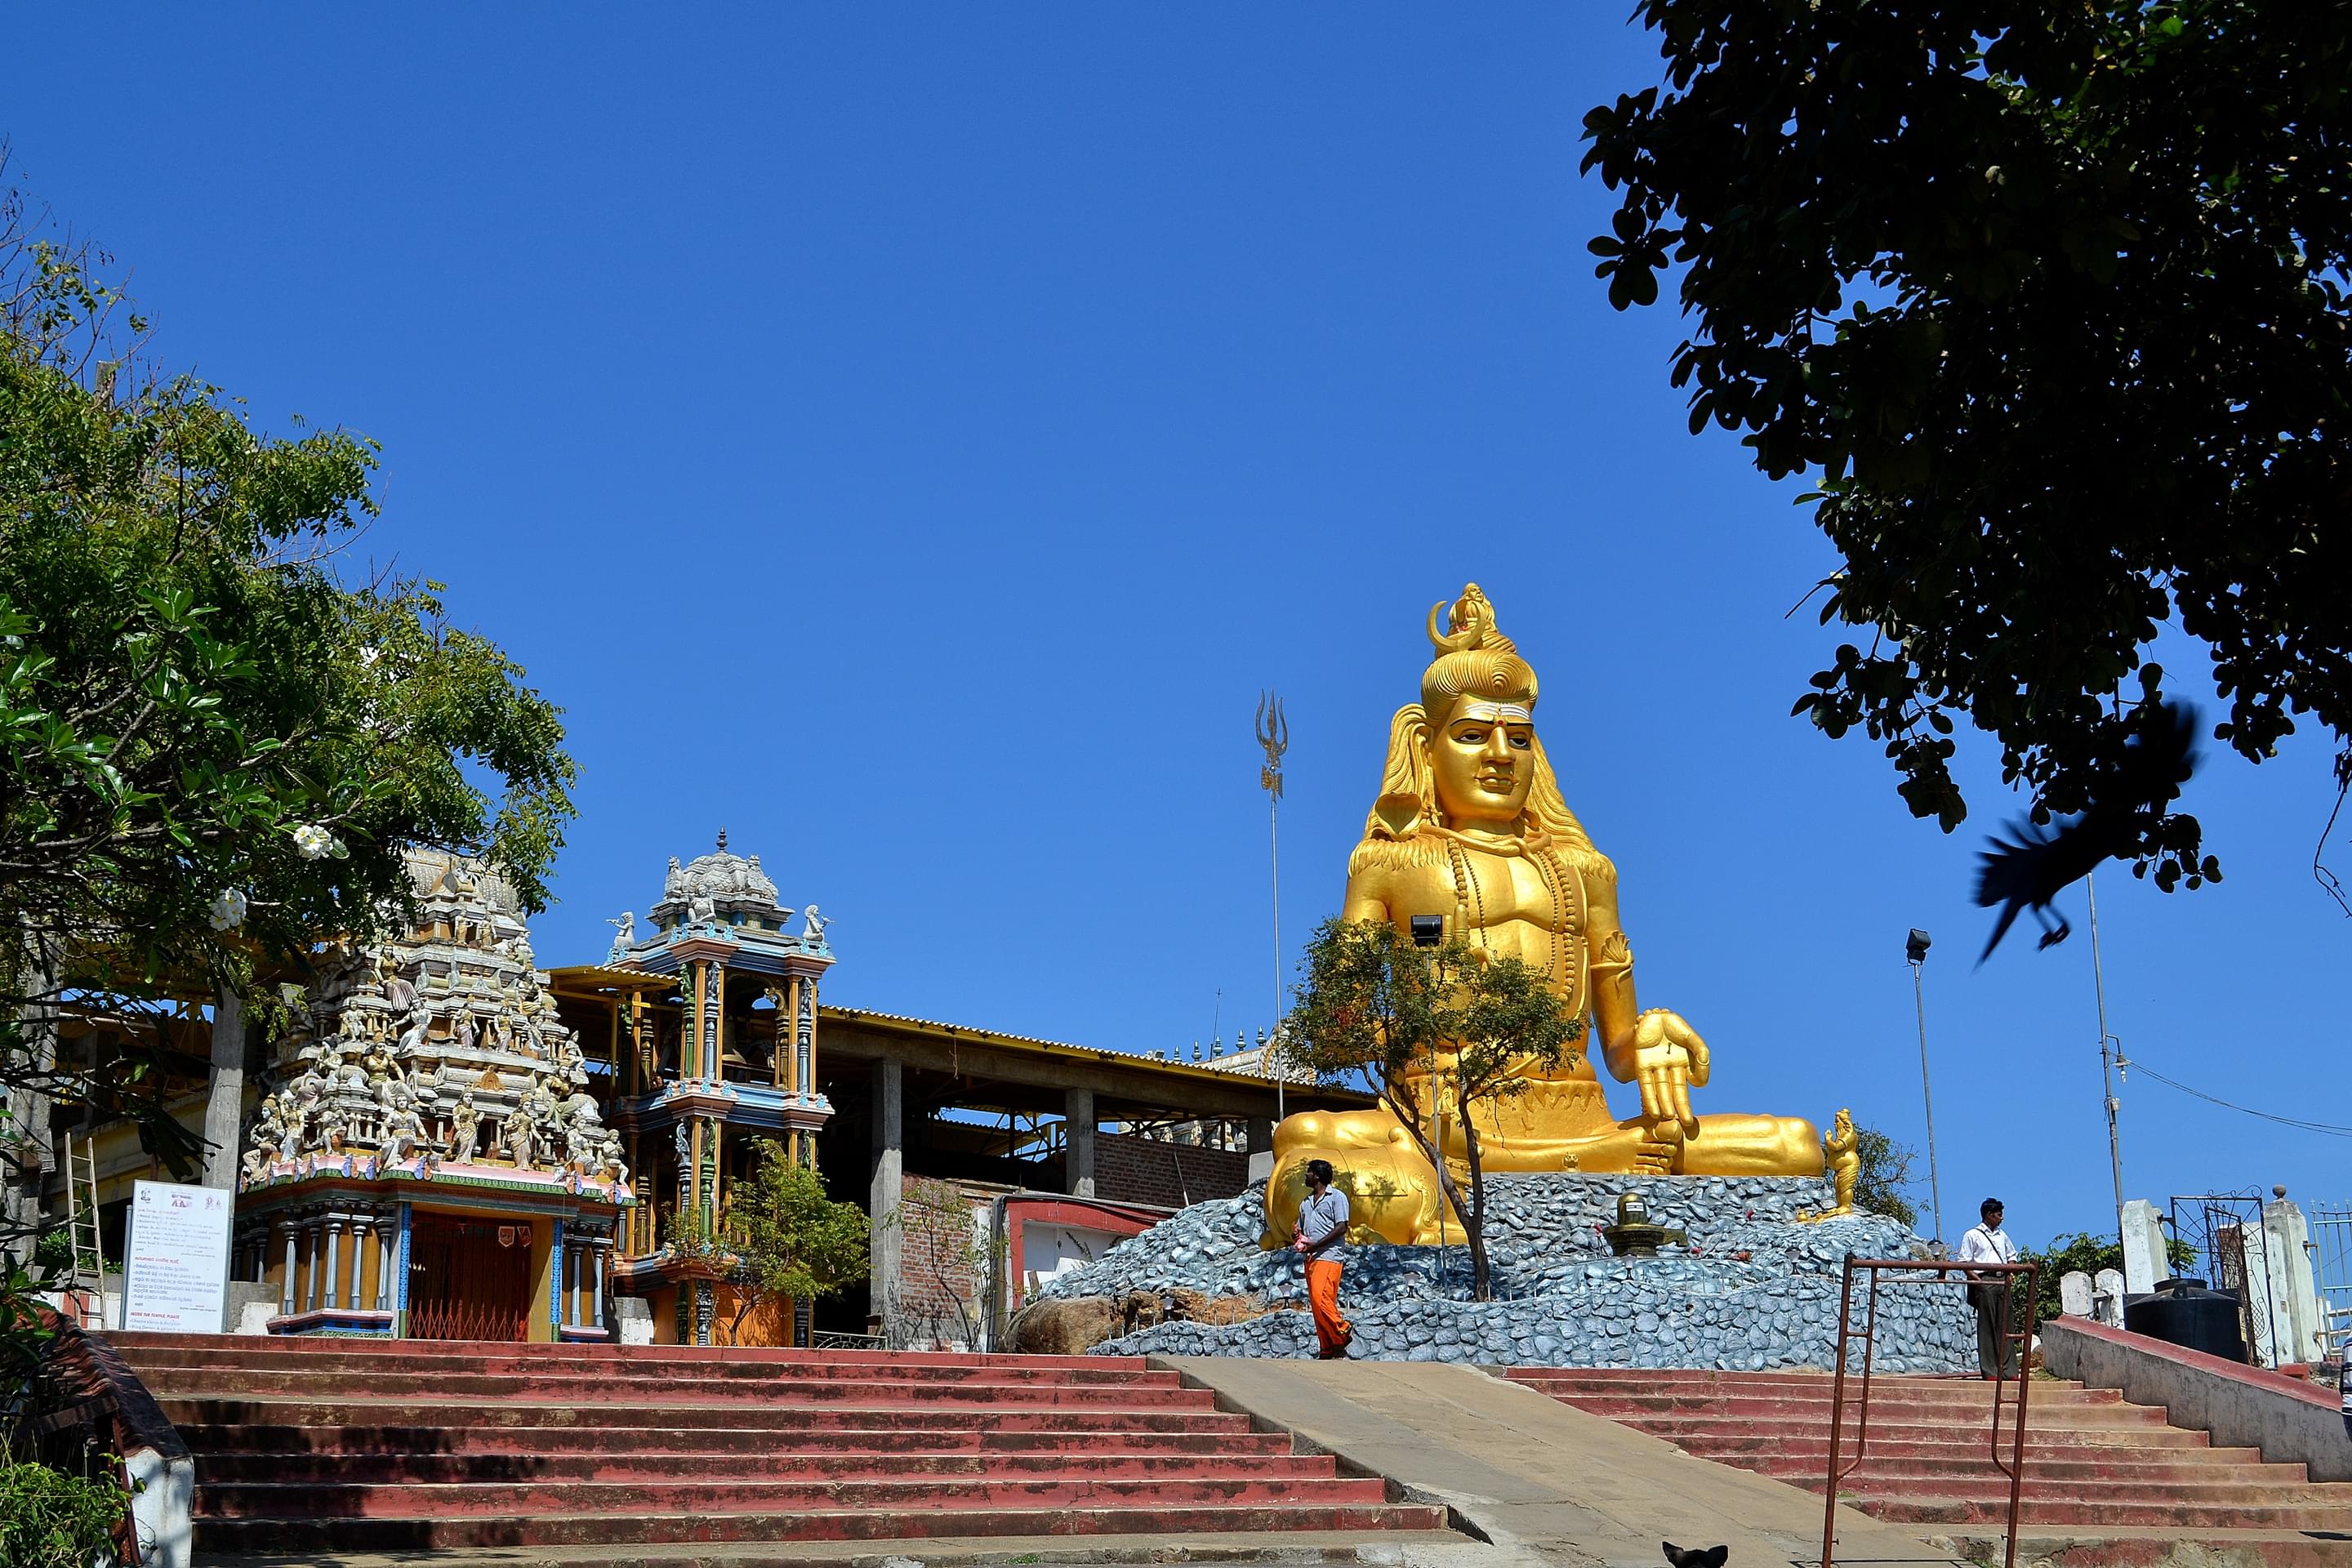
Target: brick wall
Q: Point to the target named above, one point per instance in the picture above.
(940, 1298)
(1134, 1170)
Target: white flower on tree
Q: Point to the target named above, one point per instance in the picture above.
(315, 843)
(229, 910)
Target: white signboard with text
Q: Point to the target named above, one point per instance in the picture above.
(175, 1259)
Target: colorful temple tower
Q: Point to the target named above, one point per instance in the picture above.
(431, 1161)
(718, 1008)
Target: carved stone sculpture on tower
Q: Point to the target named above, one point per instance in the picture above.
(465, 1129)
(447, 1017)
(519, 1135)
(403, 1132)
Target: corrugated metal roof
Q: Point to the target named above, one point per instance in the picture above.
(1033, 1046)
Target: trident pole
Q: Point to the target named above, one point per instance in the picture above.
(1274, 844)
(1274, 738)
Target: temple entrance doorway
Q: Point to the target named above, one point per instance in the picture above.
(468, 1278)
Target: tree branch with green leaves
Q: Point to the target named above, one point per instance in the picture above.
(218, 744)
(2053, 304)
(789, 1241)
(1447, 1031)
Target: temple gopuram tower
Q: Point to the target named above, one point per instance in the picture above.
(428, 1161)
(713, 1016)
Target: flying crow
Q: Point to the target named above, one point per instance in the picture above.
(2043, 862)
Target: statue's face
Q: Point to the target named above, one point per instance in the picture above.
(1482, 758)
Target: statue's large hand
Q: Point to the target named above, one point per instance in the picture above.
(1668, 1058)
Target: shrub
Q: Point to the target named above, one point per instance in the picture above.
(51, 1520)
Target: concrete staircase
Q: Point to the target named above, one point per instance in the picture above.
(2093, 1464)
(406, 1446)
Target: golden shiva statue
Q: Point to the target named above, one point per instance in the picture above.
(1470, 827)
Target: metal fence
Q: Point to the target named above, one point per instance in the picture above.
(2331, 1263)
(2222, 1228)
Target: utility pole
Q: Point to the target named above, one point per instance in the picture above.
(2111, 1055)
(1274, 738)
(1916, 950)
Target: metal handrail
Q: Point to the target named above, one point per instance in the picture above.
(1930, 1271)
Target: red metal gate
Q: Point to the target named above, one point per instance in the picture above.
(468, 1278)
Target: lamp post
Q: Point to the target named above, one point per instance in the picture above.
(1916, 950)
(2111, 1055)
(1429, 932)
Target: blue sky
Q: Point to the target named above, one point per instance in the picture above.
(911, 438)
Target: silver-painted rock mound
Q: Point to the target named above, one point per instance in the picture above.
(1754, 1288)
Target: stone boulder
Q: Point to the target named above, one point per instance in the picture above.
(1066, 1325)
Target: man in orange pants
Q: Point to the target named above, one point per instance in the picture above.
(1321, 1237)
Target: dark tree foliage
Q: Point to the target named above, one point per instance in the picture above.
(1882, 1185)
(2088, 1254)
(2049, 301)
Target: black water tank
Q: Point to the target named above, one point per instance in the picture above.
(2183, 1312)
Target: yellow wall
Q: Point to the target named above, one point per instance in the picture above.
(663, 1299)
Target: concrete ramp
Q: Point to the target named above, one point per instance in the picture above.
(1542, 1481)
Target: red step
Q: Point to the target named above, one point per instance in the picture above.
(337, 1439)
(361, 1446)
(162, 1349)
(657, 1467)
(1879, 1469)
(744, 1416)
(2092, 1460)
(285, 1537)
(489, 1362)
(1918, 1439)
(750, 1495)
(178, 1382)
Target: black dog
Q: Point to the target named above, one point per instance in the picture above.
(1711, 1557)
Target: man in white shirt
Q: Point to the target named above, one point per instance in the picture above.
(1986, 1242)
(1321, 1238)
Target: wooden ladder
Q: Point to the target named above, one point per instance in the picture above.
(88, 1276)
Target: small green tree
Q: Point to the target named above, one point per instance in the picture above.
(1449, 1028)
(2088, 1254)
(219, 739)
(790, 1240)
(1881, 1186)
(942, 1258)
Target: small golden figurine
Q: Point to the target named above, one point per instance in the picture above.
(1842, 1157)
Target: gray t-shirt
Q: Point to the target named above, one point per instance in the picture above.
(1319, 1217)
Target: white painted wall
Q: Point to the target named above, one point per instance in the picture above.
(1050, 1249)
